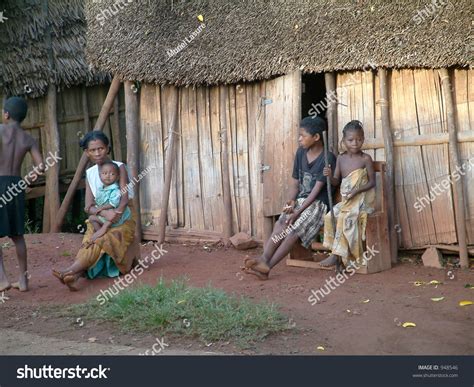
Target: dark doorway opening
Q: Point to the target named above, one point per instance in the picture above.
(313, 99)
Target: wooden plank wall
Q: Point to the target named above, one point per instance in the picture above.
(71, 123)
(416, 108)
(282, 117)
(196, 198)
(464, 99)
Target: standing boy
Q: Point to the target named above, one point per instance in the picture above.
(15, 143)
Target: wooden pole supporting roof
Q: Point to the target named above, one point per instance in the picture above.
(458, 191)
(133, 148)
(115, 131)
(388, 145)
(99, 125)
(171, 94)
(225, 162)
(51, 204)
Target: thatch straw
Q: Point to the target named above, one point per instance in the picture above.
(32, 28)
(255, 39)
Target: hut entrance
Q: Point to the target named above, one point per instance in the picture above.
(313, 96)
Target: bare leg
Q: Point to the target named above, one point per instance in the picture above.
(95, 222)
(329, 261)
(101, 232)
(21, 254)
(261, 263)
(284, 249)
(271, 245)
(4, 283)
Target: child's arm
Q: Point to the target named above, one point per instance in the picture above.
(369, 165)
(308, 201)
(294, 189)
(39, 167)
(90, 207)
(124, 193)
(105, 207)
(336, 179)
(294, 184)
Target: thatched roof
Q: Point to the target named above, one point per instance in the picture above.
(30, 29)
(255, 39)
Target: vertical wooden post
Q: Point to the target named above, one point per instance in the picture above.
(331, 114)
(115, 130)
(52, 173)
(455, 161)
(170, 95)
(99, 125)
(85, 110)
(388, 144)
(133, 148)
(225, 162)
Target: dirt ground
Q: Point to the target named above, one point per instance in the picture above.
(342, 323)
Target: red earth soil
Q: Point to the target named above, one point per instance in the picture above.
(342, 322)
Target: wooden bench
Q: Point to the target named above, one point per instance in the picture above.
(377, 235)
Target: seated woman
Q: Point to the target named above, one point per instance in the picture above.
(304, 212)
(112, 253)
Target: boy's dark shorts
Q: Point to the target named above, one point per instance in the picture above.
(12, 207)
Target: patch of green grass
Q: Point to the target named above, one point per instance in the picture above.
(207, 313)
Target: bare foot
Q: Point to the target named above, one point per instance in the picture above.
(329, 261)
(59, 275)
(71, 281)
(255, 264)
(259, 275)
(339, 266)
(4, 285)
(22, 284)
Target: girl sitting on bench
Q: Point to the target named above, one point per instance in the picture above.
(358, 195)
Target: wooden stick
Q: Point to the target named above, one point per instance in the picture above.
(115, 129)
(170, 94)
(389, 159)
(225, 162)
(328, 180)
(99, 125)
(458, 191)
(331, 114)
(52, 148)
(133, 148)
(421, 139)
